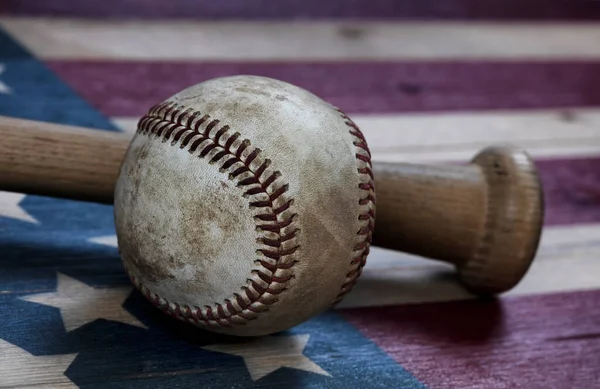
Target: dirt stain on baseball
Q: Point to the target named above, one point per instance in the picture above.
(252, 91)
(135, 172)
(336, 232)
(210, 221)
(140, 237)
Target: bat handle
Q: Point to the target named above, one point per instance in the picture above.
(485, 218)
(60, 161)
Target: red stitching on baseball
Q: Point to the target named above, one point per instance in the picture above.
(255, 309)
(275, 227)
(370, 198)
(366, 170)
(266, 217)
(266, 163)
(168, 119)
(363, 158)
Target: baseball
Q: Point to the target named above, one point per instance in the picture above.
(245, 205)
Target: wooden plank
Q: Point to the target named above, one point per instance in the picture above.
(21, 369)
(308, 9)
(542, 341)
(235, 40)
(130, 88)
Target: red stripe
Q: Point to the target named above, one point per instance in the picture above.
(131, 88)
(571, 190)
(547, 341)
(308, 9)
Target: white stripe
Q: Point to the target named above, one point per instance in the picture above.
(435, 137)
(196, 40)
(127, 124)
(567, 260)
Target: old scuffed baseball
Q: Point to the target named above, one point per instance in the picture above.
(245, 205)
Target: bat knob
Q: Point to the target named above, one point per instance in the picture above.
(512, 224)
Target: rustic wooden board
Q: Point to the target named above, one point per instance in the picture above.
(423, 91)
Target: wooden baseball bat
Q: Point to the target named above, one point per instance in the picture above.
(485, 217)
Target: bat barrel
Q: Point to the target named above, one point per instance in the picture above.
(485, 218)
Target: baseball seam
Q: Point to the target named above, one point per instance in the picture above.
(366, 202)
(266, 194)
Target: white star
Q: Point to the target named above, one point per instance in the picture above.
(20, 369)
(81, 304)
(109, 240)
(3, 87)
(264, 355)
(9, 207)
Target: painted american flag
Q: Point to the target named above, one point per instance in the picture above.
(427, 81)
